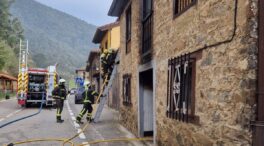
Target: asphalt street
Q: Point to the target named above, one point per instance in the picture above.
(44, 125)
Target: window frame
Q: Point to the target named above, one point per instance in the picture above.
(183, 10)
(127, 101)
(146, 32)
(128, 29)
(171, 113)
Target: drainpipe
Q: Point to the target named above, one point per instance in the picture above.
(258, 139)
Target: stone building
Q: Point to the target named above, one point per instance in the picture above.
(93, 67)
(188, 70)
(81, 73)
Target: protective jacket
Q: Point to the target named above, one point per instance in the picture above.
(59, 92)
(89, 96)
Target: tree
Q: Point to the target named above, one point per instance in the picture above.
(11, 32)
(3, 54)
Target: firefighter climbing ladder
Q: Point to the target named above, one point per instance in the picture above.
(103, 100)
(22, 76)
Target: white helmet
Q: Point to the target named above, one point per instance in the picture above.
(87, 83)
(61, 81)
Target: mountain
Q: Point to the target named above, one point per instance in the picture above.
(54, 36)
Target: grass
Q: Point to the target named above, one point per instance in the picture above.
(71, 84)
(3, 95)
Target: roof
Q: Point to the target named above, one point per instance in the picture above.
(101, 31)
(80, 70)
(117, 7)
(94, 53)
(7, 76)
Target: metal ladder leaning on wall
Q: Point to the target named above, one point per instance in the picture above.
(103, 99)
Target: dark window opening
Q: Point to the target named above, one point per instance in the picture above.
(147, 31)
(181, 86)
(127, 90)
(181, 6)
(128, 29)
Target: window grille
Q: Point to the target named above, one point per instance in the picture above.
(180, 94)
(146, 30)
(181, 6)
(127, 90)
(128, 29)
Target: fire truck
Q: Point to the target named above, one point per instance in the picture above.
(36, 83)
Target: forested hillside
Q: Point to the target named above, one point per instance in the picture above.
(10, 34)
(54, 37)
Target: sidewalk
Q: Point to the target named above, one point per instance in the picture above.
(109, 128)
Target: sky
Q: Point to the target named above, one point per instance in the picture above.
(91, 11)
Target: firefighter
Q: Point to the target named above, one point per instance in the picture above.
(104, 64)
(59, 94)
(89, 96)
(110, 59)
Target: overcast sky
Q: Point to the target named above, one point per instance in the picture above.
(91, 11)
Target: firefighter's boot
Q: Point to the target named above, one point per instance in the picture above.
(60, 121)
(78, 120)
(89, 119)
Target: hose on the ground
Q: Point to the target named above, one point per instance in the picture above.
(19, 119)
(84, 144)
(39, 140)
(86, 125)
(116, 140)
(69, 140)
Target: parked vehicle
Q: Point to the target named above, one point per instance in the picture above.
(73, 91)
(78, 95)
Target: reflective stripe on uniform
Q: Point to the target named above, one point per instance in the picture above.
(87, 101)
(89, 114)
(58, 112)
(94, 92)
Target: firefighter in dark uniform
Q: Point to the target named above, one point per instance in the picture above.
(110, 59)
(59, 94)
(104, 64)
(89, 96)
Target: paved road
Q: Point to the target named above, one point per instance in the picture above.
(44, 125)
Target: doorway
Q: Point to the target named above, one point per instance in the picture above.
(146, 103)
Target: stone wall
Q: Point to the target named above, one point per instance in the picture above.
(129, 65)
(225, 75)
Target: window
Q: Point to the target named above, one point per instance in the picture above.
(181, 6)
(146, 30)
(128, 29)
(180, 91)
(127, 90)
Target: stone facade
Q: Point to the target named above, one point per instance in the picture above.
(225, 75)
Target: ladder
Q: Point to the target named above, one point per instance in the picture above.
(103, 99)
(22, 76)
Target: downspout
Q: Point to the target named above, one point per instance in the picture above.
(258, 139)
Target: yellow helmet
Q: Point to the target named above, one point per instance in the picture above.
(110, 51)
(102, 55)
